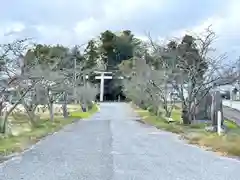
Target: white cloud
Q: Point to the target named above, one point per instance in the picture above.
(227, 29)
(55, 35)
(116, 14)
(87, 28)
(73, 22)
(123, 10)
(226, 26)
(12, 27)
(9, 30)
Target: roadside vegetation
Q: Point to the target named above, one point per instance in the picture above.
(226, 144)
(42, 89)
(173, 84)
(25, 136)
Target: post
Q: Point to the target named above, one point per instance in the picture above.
(102, 87)
(74, 83)
(219, 122)
(231, 102)
(64, 106)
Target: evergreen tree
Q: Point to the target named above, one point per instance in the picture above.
(91, 55)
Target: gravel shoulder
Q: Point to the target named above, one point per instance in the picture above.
(113, 146)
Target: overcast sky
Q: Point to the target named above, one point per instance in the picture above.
(75, 21)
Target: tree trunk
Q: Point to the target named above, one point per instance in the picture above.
(3, 126)
(167, 114)
(30, 109)
(32, 117)
(51, 112)
(159, 111)
(4, 120)
(83, 105)
(1, 108)
(64, 106)
(186, 116)
(1, 113)
(193, 113)
(168, 110)
(65, 113)
(7, 113)
(4, 123)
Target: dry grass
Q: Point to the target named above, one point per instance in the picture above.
(227, 144)
(10, 144)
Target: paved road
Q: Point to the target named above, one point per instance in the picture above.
(231, 114)
(232, 104)
(114, 147)
(231, 110)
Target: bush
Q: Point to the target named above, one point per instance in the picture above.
(151, 109)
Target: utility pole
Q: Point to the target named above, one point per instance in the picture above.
(237, 85)
(74, 80)
(238, 75)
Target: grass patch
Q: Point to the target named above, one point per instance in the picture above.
(11, 144)
(82, 115)
(176, 114)
(231, 124)
(159, 122)
(227, 144)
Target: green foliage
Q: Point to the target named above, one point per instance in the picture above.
(91, 55)
(108, 39)
(45, 54)
(118, 47)
(189, 58)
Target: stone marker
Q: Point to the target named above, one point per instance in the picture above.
(203, 110)
(215, 107)
(234, 94)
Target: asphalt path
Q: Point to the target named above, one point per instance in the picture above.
(113, 146)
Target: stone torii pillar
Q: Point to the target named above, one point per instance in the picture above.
(102, 77)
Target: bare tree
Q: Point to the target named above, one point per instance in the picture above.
(153, 83)
(32, 100)
(198, 71)
(187, 67)
(86, 94)
(11, 70)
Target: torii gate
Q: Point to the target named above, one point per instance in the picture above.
(102, 77)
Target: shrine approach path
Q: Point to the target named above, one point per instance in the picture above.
(111, 145)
